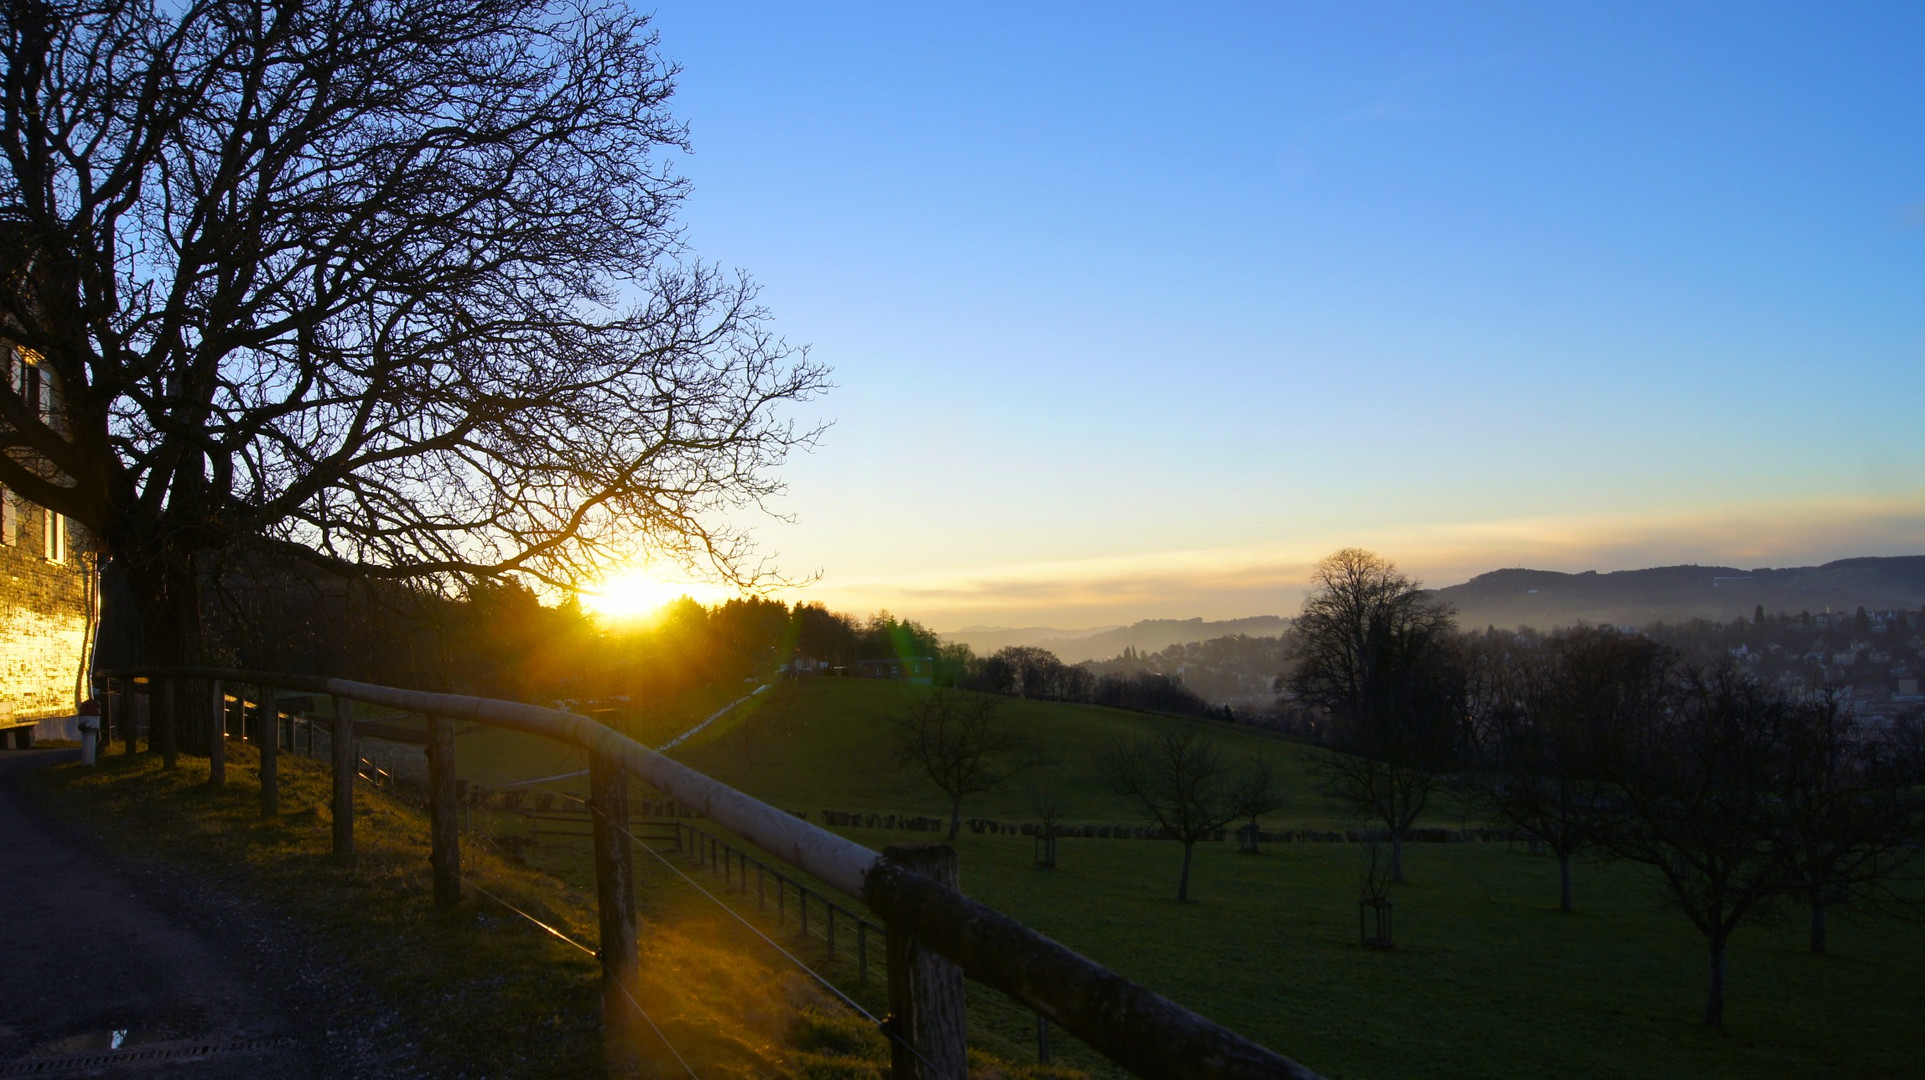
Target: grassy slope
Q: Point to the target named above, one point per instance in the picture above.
(825, 744)
(1488, 980)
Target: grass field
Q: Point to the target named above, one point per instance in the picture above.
(1488, 979)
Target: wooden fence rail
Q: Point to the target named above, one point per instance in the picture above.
(933, 932)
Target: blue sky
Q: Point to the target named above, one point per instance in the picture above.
(1134, 311)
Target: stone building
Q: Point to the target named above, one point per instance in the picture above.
(47, 596)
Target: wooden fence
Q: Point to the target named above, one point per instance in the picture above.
(932, 933)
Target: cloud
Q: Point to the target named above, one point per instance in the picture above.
(1253, 580)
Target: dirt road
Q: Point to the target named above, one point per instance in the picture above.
(112, 967)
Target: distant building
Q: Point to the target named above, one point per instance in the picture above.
(921, 669)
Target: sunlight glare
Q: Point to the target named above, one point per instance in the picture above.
(633, 595)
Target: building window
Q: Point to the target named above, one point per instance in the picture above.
(54, 529)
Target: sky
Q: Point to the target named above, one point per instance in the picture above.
(1136, 311)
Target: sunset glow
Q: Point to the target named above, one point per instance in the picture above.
(636, 595)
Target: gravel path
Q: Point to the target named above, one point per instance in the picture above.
(114, 967)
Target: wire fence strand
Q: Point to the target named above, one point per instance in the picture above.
(826, 984)
(652, 1026)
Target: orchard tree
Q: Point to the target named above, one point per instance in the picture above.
(1852, 810)
(1181, 781)
(959, 742)
(390, 287)
(1701, 785)
(1552, 714)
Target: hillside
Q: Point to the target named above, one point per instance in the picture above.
(1149, 635)
(824, 744)
(1547, 598)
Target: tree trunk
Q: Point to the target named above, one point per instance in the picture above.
(1714, 992)
(1397, 856)
(1817, 919)
(1564, 881)
(1183, 883)
(165, 594)
(955, 817)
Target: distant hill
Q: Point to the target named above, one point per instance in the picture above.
(1150, 635)
(1547, 599)
(984, 640)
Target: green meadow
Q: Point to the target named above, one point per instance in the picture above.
(1488, 979)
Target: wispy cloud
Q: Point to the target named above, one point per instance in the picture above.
(1231, 582)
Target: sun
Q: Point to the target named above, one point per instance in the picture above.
(634, 595)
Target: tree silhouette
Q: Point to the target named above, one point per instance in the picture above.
(1374, 652)
(391, 287)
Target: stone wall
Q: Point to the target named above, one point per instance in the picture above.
(43, 617)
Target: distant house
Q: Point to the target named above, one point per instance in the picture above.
(920, 669)
(47, 591)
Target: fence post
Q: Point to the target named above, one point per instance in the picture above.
(341, 751)
(129, 719)
(926, 1024)
(267, 739)
(124, 715)
(168, 690)
(445, 851)
(217, 747)
(862, 950)
(615, 900)
(1042, 1039)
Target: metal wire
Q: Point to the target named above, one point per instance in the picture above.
(753, 929)
(571, 941)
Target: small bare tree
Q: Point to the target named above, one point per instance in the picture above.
(1180, 780)
(958, 740)
(1047, 803)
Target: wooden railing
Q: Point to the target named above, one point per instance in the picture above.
(933, 932)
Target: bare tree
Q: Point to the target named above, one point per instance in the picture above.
(390, 286)
(1853, 814)
(958, 740)
(1548, 718)
(1701, 789)
(1374, 652)
(1048, 803)
(1259, 791)
(1179, 779)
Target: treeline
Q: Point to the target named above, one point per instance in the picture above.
(508, 644)
(1027, 671)
(502, 640)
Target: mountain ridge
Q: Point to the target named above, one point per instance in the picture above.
(1546, 599)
